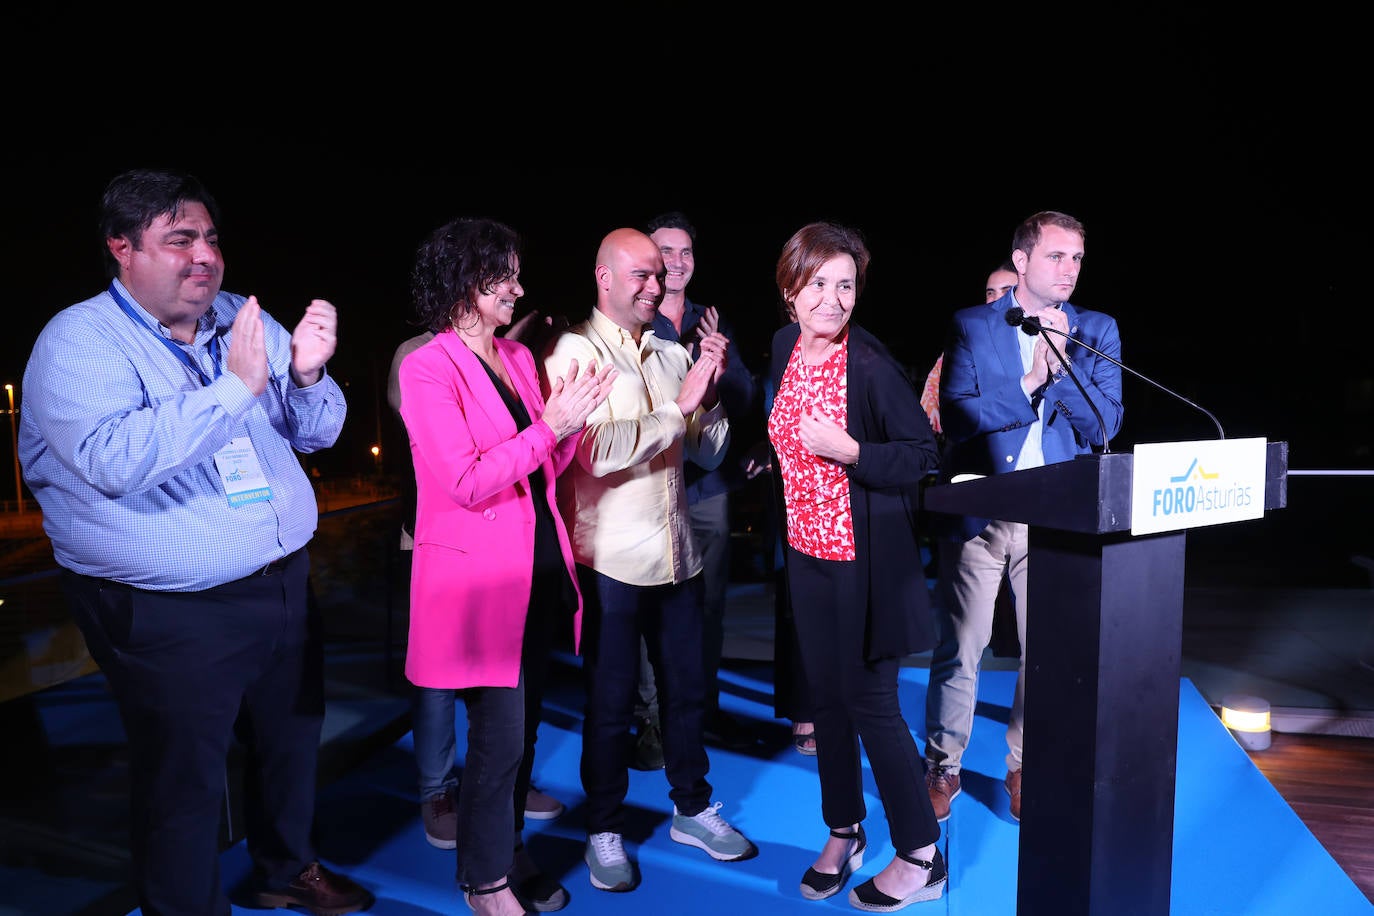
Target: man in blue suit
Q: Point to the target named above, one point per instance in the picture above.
(1008, 402)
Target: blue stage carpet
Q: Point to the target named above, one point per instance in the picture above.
(1239, 850)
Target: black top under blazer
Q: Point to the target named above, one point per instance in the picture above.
(896, 450)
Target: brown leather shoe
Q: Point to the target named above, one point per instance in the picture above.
(943, 785)
(319, 891)
(1013, 784)
(439, 815)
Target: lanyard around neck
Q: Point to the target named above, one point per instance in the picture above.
(170, 344)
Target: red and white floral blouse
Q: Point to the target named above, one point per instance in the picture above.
(815, 490)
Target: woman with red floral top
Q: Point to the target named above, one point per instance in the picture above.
(850, 445)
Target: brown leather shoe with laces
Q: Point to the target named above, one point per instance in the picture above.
(439, 815)
(943, 785)
(1013, 784)
(319, 891)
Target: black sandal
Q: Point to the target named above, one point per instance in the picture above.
(534, 889)
(817, 885)
(469, 892)
(799, 740)
(867, 897)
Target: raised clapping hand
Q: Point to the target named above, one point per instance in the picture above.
(709, 324)
(712, 342)
(574, 396)
(313, 342)
(247, 356)
(699, 384)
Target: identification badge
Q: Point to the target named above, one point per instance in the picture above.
(241, 473)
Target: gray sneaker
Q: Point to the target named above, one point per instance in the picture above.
(611, 868)
(709, 831)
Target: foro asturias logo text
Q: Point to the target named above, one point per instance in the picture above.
(1194, 491)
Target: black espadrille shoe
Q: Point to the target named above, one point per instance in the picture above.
(816, 885)
(867, 897)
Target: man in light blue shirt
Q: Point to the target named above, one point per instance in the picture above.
(161, 424)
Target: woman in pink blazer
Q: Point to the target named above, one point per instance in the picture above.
(492, 569)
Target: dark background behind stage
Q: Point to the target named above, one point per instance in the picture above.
(1225, 190)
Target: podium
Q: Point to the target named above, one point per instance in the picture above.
(1103, 666)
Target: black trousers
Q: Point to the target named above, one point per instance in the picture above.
(855, 699)
(189, 671)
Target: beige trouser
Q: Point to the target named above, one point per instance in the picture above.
(970, 574)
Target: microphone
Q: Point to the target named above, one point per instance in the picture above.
(1032, 326)
(1016, 316)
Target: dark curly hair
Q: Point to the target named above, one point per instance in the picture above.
(464, 257)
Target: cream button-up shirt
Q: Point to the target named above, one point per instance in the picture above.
(623, 497)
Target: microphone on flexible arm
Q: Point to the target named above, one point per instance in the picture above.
(1017, 316)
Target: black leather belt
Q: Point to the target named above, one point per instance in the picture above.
(276, 566)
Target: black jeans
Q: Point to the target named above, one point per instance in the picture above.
(486, 800)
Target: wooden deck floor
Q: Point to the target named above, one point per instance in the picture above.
(1328, 781)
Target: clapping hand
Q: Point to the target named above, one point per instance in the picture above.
(708, 329)
(709, 324)
(699, 384)
(247, 356)
(313, 342)
(572, 397)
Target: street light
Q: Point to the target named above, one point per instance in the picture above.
(14, 445)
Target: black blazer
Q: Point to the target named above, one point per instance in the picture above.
(896, 450)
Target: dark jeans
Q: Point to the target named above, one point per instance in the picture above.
(188, 671)
(855, 700)
(433, 708)
(614, 617)
(711, 528)
(435, 737)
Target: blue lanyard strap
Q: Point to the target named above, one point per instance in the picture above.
(169, 344)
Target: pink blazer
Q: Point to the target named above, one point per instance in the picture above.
(474, 524)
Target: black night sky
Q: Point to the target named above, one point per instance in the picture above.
(1226, 201)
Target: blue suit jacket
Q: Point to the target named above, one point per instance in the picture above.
(985, 414)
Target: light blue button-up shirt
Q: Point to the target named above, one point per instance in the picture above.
(1032, 454)
(117, 438)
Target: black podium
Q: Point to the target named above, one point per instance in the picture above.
(1103, 670)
